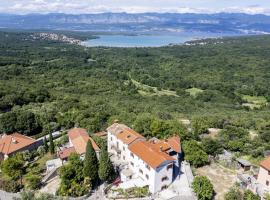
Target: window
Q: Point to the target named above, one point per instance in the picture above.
(169, 166)
(124, 148)
(267, 183)
(132, 155)
(164, 178)
(141, 171)
(132, 164)
(268, 172)
(147, 166)
(147, 177)
(111, 138)
(164, 187)
(124, 157)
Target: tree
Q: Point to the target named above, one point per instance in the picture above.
(194, 153)
(26, 122)
(249, 195)
(234, 138)
(46, 147)
(73, 182)
(211, 146)
(233, 194)
(106, 170)
(267, 196)
(14, 167)
(199, 125)
(33, 181)
(51, 146)
(8, 122)
(90, 165)
(203, 188)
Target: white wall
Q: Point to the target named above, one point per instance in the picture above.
(161, 172)
(155, 175)
(263, 176)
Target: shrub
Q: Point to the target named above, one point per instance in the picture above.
(33, 181)
(10, 185)
(203, 188)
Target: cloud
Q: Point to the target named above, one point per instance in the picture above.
(138, 6)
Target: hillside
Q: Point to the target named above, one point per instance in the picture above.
(67, 85)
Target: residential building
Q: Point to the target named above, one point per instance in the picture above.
(155, 162)
(78, 138)
(264, 173)
(14, 143)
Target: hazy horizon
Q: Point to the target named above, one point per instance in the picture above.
(140, 6)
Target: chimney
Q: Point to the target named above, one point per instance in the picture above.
(14, 141)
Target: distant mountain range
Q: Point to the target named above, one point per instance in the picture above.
(144, 22)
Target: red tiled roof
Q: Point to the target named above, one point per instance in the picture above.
(14, 142)
(150, 154)
(65, 153)
(79, 138)
(266, 163)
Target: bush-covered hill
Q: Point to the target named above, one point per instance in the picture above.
(47, 85)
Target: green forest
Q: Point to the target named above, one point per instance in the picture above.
(222, 83)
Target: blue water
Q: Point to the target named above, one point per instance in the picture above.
(154, 40)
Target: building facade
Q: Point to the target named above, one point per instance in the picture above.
(154, 161)
(264, 174)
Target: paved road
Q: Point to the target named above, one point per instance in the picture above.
(7, 196)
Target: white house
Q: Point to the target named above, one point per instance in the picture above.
(155, 161)
(264, 175)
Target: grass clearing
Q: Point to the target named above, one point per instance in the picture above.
(194, 91)
(146, 90)
(42, 161)
(254, 101)
(221, 178)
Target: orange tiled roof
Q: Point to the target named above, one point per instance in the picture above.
(175, 143)
(117, 128)
(124, 133)
(266, 163)
(128, 136)
(65, 153)
(79, 138)
(14, 142)
(150, 153)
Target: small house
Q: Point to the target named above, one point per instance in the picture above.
(16, 142)
(244, 164)
(78, 138)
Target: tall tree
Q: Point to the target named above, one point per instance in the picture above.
(46, 147)
(90, 165)
(51, 147)
(106, 171)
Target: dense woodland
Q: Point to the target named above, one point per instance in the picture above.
(48, 85)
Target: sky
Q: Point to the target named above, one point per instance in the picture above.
(134, 6)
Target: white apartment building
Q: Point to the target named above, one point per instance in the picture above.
(155, 161)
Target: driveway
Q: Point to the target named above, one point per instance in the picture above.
(180, 188)
(52, 186)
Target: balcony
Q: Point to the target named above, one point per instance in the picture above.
(116, 149)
